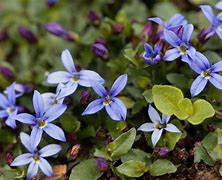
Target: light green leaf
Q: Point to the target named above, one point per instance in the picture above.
(185, 109)
(166, 98)
(122, 144)
(171, 139)
(132, 168)
(161, 167)
(99, 153)
(69, 123)
(201, 111)
(85, 170)
(137, 154)
(148, 95)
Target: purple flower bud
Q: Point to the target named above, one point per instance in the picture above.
(52, 3)
(28, 35)
(100, 50)
(55, 29)
(163, 151)
(102, 164)
(118, 28)
(3, 35)
(205, 35)
(9, 158)
(6, 72)
(85, 97)
(93, 17)
(211, 127)
(100, 41)
(75, 151)
(150, 32)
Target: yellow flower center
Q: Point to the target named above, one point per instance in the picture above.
(206, 74)
(182, 49)
(75, 78)
(42, 123)
(107, 100)
(10, 110)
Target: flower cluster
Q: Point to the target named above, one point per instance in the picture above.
(177, 35)
(50, 106)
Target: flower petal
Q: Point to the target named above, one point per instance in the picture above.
(49, 99)
(59, 77)
(165, 118)
(87, 75)
(157, 20)
(69, 88)
(218, 5)
(219, 32)
(153, 114)
(98, 88)
(118, 85)
(3, 101)
(36, 136)
(115, 112)
(10, 121)
(171, 54)
(172, 128)
(171, 38)
(176, 20)
(26, 141)
(217, 67)
(11, 94)
(146, 127)
(45, 167)
(216, 80)
(187, 32)
(26, 118)
(94, 107)
(38, 104)
(68, 61)
(156, 136)
(122, 108)
(3, 114)
(54, 112)
(22, 160)
(198, 85)
(55, 132)
(32, 170)
(148, 49)
(50, 150)
(208, 12)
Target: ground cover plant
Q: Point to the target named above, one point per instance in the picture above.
(110, 89)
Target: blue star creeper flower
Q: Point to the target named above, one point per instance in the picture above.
(114, 106)
(158, 125)
(175, 21)
(35, 159)
(216, 21)
(151, 55)
(181, 45)
(42, 120)
(50, 99)
(8, 106)
(206, 73)
(72, 78)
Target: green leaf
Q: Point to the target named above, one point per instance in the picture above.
(122, 144)
(161, 167)
(69, 123)
(185, 109)
(9, 138)
(171, 139)
(201, 111)
(99, 153)
(166, 98)
(219, 135)
(202, 154)
(220, 170)
(130, 55)
(127, 101)
(137, 154)
(85, 170)
(178, 80)
(148, 95)
(132, 168)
